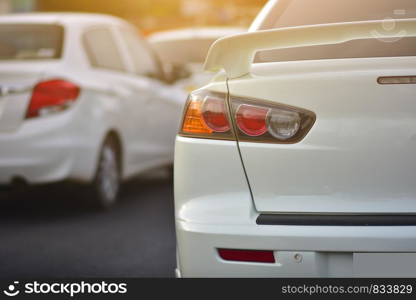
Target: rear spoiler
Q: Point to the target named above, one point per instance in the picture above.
(235, 54)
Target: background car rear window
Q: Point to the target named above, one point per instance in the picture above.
(143, 61)
(184, 51)
(30, 41)
(289, 13)
(102, 49)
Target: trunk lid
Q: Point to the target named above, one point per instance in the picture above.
(359, 156)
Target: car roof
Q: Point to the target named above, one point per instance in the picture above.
(195, 33)
(60, 18)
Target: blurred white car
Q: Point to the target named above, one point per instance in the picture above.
(303, 164)
(82, 99)
(183, 52)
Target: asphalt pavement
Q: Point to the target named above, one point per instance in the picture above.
(49, 231)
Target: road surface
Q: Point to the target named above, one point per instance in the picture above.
(50, 232)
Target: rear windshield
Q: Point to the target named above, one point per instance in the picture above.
(288, 13)
(30, 41)
(182, 52)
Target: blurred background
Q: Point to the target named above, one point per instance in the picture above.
(60, 92)
(152, 15)
(50, 230)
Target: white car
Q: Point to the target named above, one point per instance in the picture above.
(183, 52)
(303, 165)
(82, 99)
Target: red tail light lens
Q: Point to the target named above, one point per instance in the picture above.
(269, 122)
(258, 256)
(52, 96)
(252, 119)
(215, 114)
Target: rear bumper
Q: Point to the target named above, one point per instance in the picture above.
(300, 251)
(45, 150)
(213, 209)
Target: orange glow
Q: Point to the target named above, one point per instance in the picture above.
(193, 122)
(158, 15)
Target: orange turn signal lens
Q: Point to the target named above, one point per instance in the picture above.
(193, 121)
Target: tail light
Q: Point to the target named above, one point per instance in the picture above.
(269, 122)
(206, 116)
(52, 96)
(251, 120)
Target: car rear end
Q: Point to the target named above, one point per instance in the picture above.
(301, 166)
(35, 130)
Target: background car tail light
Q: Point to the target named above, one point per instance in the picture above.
(52, 96)
(206, 116)
(259, 256)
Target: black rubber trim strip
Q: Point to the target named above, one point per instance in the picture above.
(336, 220)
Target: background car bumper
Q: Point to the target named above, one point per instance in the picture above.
(42, 150)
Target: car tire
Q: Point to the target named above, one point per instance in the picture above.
(105, 188)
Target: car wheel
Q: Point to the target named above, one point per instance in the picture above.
(106, 184)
